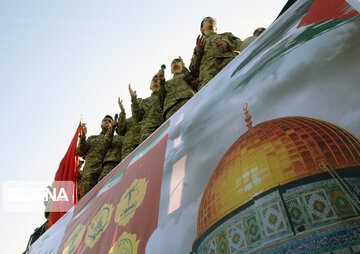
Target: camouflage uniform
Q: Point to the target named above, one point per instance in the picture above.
(175, 92)
(211, 61)
(247, 42)
(129, 129)
(78, 184)
(113, 156)
(149, 114)
(42, 229)
(36, 235)
(93, 148)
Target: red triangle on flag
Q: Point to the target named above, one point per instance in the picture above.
(325, 10)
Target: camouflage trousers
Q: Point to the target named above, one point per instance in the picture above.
(107, 167)
(146, 131)
(78, 190)
(207, 75)
(127, 150)
(90, 177)
(39, 232)
(175, 108)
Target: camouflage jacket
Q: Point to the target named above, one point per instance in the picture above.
(148, 112)
(175, 89)
(209, 62)
(121, 127)
(114, 145)
(247, 42)
(78, 183)
(93, 149)
(129, 129)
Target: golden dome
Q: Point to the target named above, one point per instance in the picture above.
(273, 153)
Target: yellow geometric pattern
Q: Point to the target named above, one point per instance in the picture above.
(270, 154)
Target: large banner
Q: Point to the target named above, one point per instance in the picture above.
(286, 104)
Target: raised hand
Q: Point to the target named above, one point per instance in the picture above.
(182, 62)
(121, 105)
(132, 93)
(160, 74)
(200, 44)
(83, 129)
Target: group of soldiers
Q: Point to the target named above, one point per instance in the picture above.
(104, 151)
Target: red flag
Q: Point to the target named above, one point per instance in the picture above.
(67, 172)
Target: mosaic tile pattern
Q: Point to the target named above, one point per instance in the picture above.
(273, 219)
(309, 207)
(343, 237)
(264, 221)
(341, 203)
(297, 214)
(319, 207)
(222, 243)
(253, 229)
(236, 238)
(212, 247)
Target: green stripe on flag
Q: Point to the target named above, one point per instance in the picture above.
(148, 145)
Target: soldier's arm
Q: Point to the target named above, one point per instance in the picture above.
(162, 91)
(197, 55)
(83, 146)
(195, 62)
(137, 109)
(121, 126)
(232, 41)
(190, 78)
(108, 138)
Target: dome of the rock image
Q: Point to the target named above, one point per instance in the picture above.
(274, 181)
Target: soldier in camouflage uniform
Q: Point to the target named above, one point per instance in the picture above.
(114, 145)
(129, 129)
(213, 51)
(148, 112)
(78, 180)
(175, 92)
(250, 39)
(95, 153)
(42, 229)
(131, 137)
(36, 235)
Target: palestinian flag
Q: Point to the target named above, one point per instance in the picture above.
(310, 20)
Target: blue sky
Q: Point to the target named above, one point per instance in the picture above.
(61, 59)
